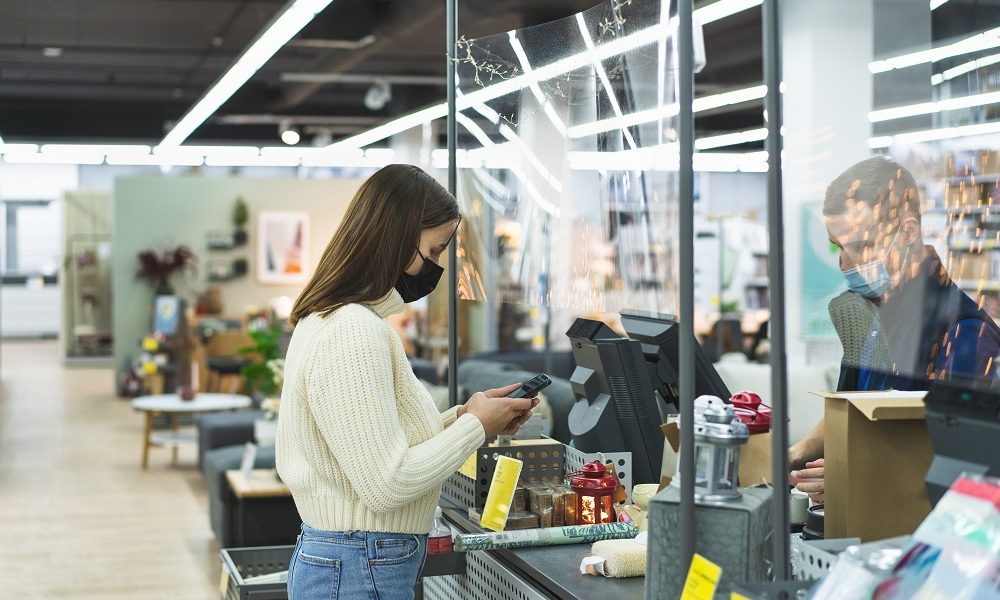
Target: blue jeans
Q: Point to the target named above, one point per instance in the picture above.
(355, 565)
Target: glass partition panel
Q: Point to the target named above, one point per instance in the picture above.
(567, 175)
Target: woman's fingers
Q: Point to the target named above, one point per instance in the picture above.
(502, 392)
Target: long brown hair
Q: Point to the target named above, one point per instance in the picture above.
(377, 239)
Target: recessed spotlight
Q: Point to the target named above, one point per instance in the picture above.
(378, 95)
(289, 135)
(52, 52)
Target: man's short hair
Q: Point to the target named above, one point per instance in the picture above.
(883, 184)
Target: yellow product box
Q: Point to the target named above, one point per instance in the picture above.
(501, 494)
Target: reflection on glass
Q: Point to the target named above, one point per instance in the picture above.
(921, 326)
(567, 161)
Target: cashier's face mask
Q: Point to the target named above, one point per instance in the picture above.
(414, 287)
(872, 279)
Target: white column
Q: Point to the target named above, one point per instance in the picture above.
(827, 46)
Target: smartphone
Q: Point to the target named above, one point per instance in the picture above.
(530, 388)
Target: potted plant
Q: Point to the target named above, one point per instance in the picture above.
(240, 217)
(264, 375)
(158, 267)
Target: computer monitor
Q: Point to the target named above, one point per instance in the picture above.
(963, 419)
(658, 335)
(615, 408)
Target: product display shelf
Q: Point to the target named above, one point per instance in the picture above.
(543, 461)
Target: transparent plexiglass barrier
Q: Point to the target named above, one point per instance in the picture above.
(567, 162)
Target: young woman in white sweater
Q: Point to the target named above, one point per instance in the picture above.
(360, 443)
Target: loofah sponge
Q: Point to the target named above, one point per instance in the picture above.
(622, 558)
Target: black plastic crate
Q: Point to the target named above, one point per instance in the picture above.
(241, 563)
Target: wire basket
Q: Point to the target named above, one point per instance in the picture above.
(238, 564)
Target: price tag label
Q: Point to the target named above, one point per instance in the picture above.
(468, 468)
(703, 578)
(224, 583)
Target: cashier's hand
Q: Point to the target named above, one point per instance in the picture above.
(810, 480)
(497, 412)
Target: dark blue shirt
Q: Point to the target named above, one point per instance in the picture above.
(933, 330)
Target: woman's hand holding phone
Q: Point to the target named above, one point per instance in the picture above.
(499, 414)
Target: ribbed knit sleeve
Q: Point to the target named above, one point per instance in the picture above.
(449, 416)
(351, 393)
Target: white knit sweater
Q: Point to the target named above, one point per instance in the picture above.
(360, 443)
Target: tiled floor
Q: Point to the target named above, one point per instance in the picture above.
(78, 517)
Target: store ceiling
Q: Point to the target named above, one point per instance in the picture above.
(123, 70)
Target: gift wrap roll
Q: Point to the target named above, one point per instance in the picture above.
(530, 538)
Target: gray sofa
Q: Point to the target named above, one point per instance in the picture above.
(476, 375)
(221, 439)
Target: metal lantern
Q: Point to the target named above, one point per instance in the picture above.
(594, 487)
(718, 434)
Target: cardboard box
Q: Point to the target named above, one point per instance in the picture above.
(877, 452)
(755, 455)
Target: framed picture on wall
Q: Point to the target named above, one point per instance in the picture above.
(282, 247)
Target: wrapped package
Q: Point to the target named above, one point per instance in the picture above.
(519, 504)
(563, 506)
(544, 517)
(539, 498)
(521, 520)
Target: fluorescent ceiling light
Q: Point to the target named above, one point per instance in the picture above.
(730, 139)
(668, 110)
(194, 156)
(18, 148)
(962, 69)
(50, 159)
(603, 76)
(665, 158)
(931, 135)
(296, 15)
(547, 107)
(616, 46)
(926, 108)
(722, 9)
(384, 154)
(981, 41)
(938, 3)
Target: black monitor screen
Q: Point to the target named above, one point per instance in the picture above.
(658, 335)
(615, 410)
(963, 419)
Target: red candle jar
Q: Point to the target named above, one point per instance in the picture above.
(594, 487)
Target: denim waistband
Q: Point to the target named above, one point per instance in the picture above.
(358, 536)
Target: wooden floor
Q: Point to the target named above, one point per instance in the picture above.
(78, 517)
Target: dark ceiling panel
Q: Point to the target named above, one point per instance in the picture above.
(147, 61)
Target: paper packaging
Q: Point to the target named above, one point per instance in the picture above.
(501, 494)
(877, 453)
(553, 536)
(755, 455)
(521, 520)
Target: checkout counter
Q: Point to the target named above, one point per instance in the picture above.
(551, 572)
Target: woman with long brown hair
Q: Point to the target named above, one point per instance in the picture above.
(360, 443)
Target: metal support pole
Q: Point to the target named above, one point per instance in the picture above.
(776, 273)
(451, 35)
(685, 126)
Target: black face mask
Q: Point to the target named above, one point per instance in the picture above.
(415, 287)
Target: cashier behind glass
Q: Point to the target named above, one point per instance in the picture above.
(923, 327)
